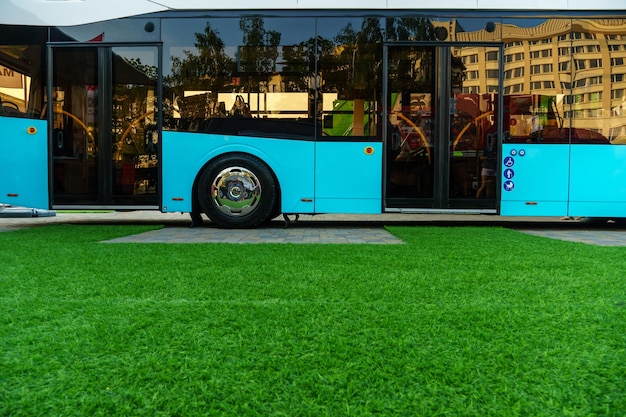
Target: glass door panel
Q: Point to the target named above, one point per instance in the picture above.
(411, 146)
(74, 131)
(473, 130)
(104, 134)
(442, 134)
(134, 134)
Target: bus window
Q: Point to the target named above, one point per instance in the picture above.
(561, 96)
(247, 76)
(21, 80)
(597, 107)
(349, 68)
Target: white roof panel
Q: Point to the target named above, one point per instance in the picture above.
(76, 12)
(442, 5)
(597, 5)
(548, 5)
(71, 12)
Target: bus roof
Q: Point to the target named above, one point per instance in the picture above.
(77, 12)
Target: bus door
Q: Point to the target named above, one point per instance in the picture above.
(104, 126)
(442, 133)
(23, 132)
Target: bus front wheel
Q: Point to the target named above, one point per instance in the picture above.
(237, 191)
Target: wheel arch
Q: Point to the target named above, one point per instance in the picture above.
(235, 153)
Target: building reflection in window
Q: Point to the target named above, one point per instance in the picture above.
(563, 79)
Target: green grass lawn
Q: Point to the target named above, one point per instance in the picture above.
(459, 321)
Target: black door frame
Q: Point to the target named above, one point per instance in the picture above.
(441, 180)
(104, 52)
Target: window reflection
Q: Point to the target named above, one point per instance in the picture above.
(134, 114)
(21, 81)
(349, 75)
(563, 79)
(248, 76)
(418, 29)
(487, 29)
(414, 28)
(560, 94)
(557, 77)
(481, 69)
(278, 74)
(596, 107)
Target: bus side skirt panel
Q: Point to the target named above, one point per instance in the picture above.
(24, 162)
(348, 177)
(534, 180)
(185, 154)
(598, 181)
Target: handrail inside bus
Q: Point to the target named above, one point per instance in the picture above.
(77, 120)
(467, 126)
(127, 131)
(419, 132)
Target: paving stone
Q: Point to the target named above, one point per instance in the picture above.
(295, 235)
(333, 229)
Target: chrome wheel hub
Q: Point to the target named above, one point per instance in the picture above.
(236, 191)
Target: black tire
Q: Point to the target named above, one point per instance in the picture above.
(237, 191)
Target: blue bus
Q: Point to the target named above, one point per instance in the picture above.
(241, 114)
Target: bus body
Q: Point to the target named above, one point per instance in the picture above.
(243, 114)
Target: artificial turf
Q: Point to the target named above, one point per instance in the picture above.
(459, 321)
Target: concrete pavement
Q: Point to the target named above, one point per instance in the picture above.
(353, 229)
